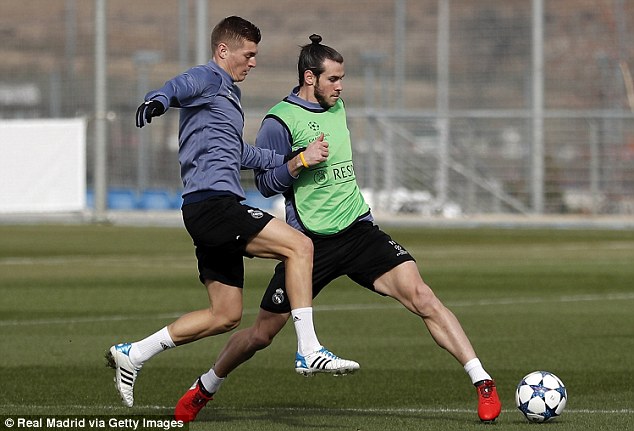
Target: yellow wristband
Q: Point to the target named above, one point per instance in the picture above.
(301, 157)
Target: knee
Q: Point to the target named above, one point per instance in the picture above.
(259, 340)
(232, 323)
(303, 247)
(227, 322)
(425, 302)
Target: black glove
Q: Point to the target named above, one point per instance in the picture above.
(147, 110)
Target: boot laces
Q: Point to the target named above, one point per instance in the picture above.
(486, 389)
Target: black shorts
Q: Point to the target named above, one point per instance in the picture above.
(363, 253)
(221, 227)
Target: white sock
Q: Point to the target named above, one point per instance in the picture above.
(143, 350)
(307, 341)
(211, 382)
(476, 371)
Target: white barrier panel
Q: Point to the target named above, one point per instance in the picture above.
(42, 165)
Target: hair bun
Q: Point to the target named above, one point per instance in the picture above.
(315, 39)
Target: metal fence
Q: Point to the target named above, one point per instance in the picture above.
(489, 165)
(455, 106)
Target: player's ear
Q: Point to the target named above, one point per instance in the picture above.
(222, 50)
(309, 77)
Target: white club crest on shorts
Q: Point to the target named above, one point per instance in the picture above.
(256, 213)
(278, 296)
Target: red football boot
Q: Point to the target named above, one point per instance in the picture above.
(489, 405)
(191, 403)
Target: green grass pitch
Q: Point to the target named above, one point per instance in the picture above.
(529, 299)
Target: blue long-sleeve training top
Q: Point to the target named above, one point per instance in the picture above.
(211, 148)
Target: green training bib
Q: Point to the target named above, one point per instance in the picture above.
(326, 196)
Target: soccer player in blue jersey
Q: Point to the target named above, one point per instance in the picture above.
(211, 154)
(325, 203)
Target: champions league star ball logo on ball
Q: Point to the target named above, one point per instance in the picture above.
(541, 396)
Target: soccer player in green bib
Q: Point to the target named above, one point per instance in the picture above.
(324, 202)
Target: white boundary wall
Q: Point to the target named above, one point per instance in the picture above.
(42, 165)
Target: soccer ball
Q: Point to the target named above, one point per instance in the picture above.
(541, 396)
